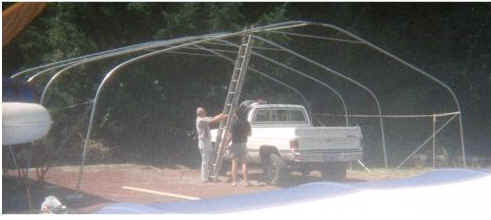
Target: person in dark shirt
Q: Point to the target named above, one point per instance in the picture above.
(239, 132)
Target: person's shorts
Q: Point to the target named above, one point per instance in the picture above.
(239, 152)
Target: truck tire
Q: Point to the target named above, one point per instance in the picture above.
(274, 169)
(334, 171)
(305, 171)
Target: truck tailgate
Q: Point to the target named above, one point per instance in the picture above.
(328, 138)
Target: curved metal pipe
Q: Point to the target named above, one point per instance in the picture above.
(424, 73)
(110, 53)
(279, 26)
(45, 71)
(340, 97)
(62, 63)
(51, 80)
(307, 104)
(87, 59)
(318, 37)
(121, 51)
(373, 46)
(156, 44)
(108, 76)
(345, 77)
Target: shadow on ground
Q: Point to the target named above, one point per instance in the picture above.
(293, 179)
(15, 200)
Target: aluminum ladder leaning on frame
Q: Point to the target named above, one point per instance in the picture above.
(232, 100)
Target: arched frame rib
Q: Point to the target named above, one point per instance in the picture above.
(338, 95)
(279, 26)
(413, 67)
(372, 94)
(132, 60)
(307, 104)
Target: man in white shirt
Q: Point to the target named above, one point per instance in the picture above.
(204, 139)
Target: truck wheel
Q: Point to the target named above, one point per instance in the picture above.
(334, 171)
(305, 171)
(274, 169)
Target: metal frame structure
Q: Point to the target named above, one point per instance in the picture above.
(164, 46)
(307, 104)
(340, 97)
(329, 70)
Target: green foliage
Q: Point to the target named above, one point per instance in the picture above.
(277, 14)
(56, 37)
(149, 106)
(225, 16)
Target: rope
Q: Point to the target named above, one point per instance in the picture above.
(317, 37)
(218, 50)
(193, 54)
(189, 53)
(254, 47)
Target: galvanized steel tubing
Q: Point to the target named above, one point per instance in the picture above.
(113, 71)
(345, 77)
(340, 97)
(204, 38)
(424, 73)
(262, 74)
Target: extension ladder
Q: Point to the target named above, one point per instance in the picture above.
(232, 100)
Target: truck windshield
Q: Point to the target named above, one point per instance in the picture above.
(276, 116)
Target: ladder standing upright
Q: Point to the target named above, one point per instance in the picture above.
(233, 96)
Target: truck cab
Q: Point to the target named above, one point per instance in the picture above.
(283, 139)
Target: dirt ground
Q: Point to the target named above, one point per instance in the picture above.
(105, 184)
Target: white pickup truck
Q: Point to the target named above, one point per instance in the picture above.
(283, 139)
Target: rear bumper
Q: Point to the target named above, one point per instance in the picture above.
(327, 156)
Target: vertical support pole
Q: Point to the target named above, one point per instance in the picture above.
(434, 150)
(12, 155)
(87, 137)
(372, 94)
(27, 182)
(452, 93)
(99, 89)
(461, 129)
(426, 141)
